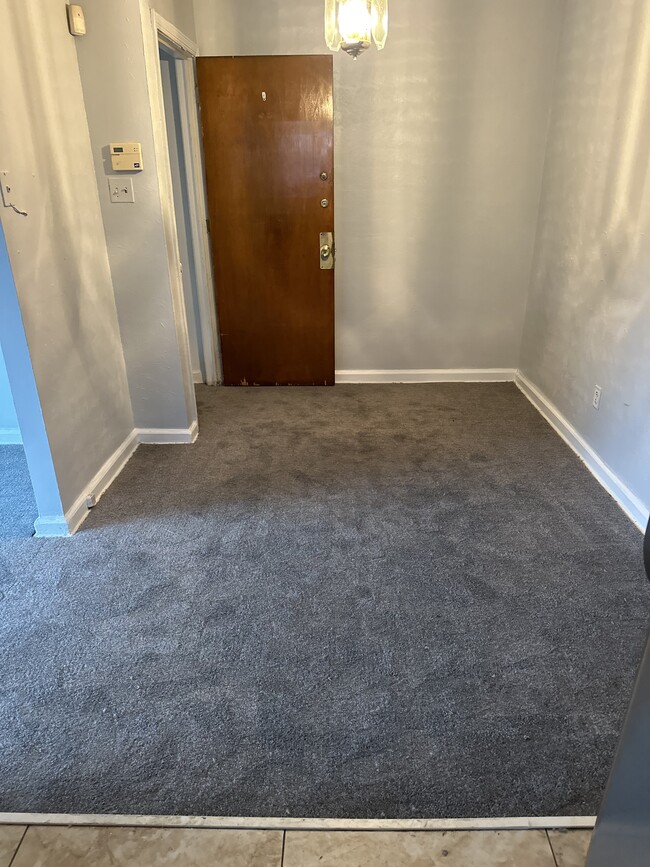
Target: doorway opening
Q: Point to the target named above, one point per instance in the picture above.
(172, 71)
(18, 510)
(30, 503)
(170, 57)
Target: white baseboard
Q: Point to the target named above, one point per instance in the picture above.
(78, 512)
(10, 436)
(517, 823)
(51, 526)
(629, 502)
(106, 475)
(172, 436)
(492, 374)
(198, 377)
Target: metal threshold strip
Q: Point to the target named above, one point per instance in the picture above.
(286, 823)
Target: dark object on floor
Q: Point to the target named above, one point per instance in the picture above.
(622, 834)
(17, 505)
(361, 601)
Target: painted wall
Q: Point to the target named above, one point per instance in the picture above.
(178, 12)
(588, 319)
(439, 155)
(9, 430)
(57, 252)
(112, 68)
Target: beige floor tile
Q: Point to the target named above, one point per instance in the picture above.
(148, 847)
(570, 847)
(418, 849)
(10, 837)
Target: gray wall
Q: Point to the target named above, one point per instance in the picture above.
(113, 75)
(8, 420)
(588, 319)
(57, 252)
(179, 13)
(439, 154)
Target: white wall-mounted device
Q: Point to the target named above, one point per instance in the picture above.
(76, 20)
(126, 156)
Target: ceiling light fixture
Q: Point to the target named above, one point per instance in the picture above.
(354, 25)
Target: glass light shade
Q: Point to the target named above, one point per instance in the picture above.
(354, 25)
(380, 23)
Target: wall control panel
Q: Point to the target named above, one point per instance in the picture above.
(126, 156)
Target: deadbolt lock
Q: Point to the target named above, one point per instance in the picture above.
(324, 203)
(326, 251)
(324, 176)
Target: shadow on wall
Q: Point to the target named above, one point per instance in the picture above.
(588, 319)
(78, 249)
(417, 135)
(625, 185)
(604, 172)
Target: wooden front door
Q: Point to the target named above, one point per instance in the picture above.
(268, 145)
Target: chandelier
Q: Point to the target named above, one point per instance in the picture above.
(354, 25)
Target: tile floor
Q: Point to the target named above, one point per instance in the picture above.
(43, 846)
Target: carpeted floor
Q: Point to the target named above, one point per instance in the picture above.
(361, 601)
(17, 505)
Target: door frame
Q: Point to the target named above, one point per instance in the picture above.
(158, 31)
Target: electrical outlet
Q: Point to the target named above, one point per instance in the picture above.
(597, 395)
(121, 189)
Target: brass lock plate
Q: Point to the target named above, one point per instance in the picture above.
(326, 251)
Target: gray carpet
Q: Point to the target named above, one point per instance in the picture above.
(361, 601)
(17, 505)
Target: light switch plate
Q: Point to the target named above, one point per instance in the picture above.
(5, 189)
(121, 190)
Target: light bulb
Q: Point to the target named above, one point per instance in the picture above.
(353, 25)
(355, 21)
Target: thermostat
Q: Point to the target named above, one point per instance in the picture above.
(126, 157)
